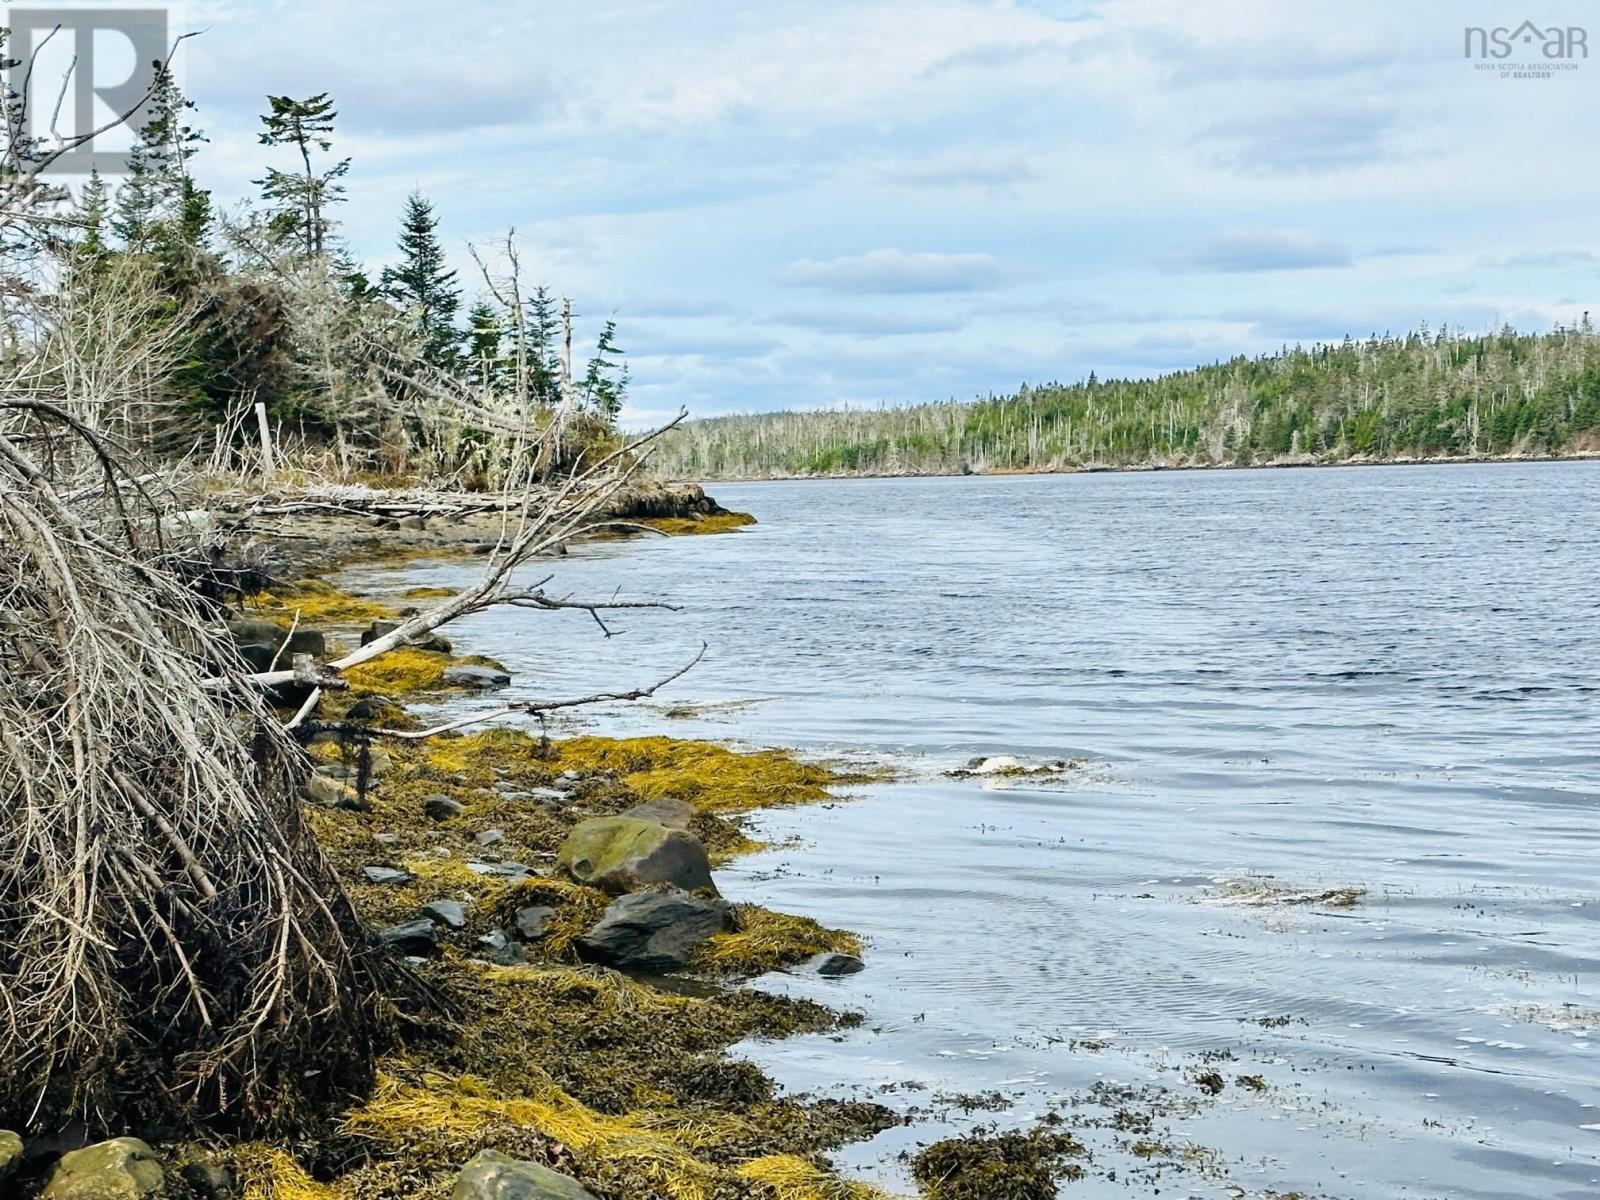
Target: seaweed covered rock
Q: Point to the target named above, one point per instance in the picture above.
(654, 931)
(622, 854)
(998, 1166)
(121, 1169)
(496, 1176)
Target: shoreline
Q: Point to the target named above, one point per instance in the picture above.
(1157, 468)
(620, 1078)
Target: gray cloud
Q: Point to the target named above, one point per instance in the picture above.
(1303, 140)
(896, 272)
(870, 324)
(1265, 250)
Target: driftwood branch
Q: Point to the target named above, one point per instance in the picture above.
(533, 707)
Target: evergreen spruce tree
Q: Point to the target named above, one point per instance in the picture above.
(93, 212)
(605, 381)
(486, 358)
(543, 323)
(159, 207)
(301, 199)
(424, 286)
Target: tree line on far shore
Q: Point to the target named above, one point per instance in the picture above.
(1421, 395)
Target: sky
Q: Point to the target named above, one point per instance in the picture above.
(814, 203)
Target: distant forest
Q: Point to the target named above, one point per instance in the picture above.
(1424, 395)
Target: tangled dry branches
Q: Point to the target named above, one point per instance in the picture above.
(170, 937)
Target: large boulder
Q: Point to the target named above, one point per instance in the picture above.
(327, 792)
(252, 631)
(623, 854)
(121, 1169)
(496, 1176)
(668, 811)
(654, 931)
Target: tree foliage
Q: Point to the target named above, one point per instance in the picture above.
(423, 286)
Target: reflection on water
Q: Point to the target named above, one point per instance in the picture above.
(1292, 681)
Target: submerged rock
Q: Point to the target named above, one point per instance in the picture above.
(496, 1176)
(121, 1169)
(472, 675)
(831, 964)
(10, 1153)
(622, 854)
(654, 931)
(995, 764)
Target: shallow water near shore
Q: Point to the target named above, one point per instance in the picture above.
(1273, 685)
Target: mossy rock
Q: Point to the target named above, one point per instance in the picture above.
(121, 1169)
(10, 1153)
(619, 855)
(495, 1176)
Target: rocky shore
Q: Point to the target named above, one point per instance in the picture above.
(306, 544)
(573, 971)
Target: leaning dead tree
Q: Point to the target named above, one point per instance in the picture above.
(173, 940)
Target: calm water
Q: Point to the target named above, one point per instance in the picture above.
(1375, 678)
